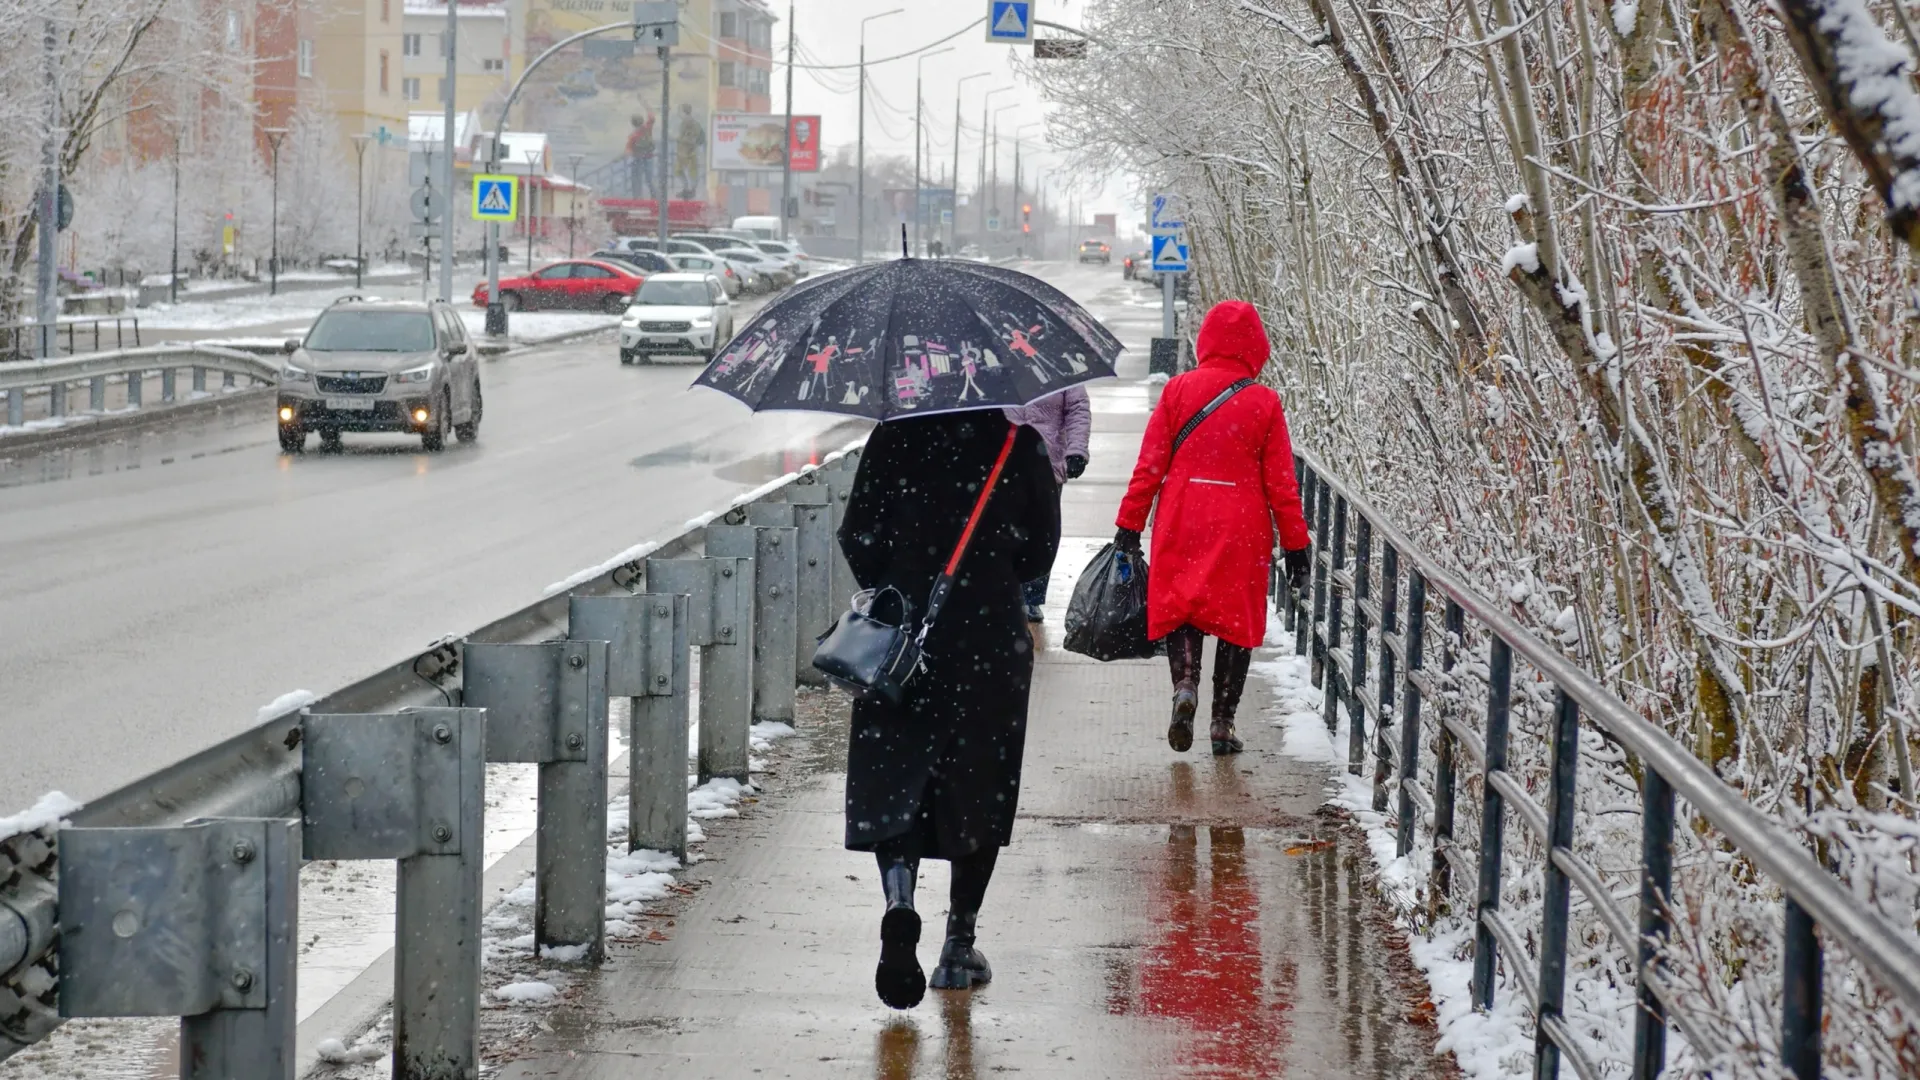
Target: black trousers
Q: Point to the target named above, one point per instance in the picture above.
(1229, 669)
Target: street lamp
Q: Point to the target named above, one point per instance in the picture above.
(919, 111)
(984, 143)
(359, 205)
(274, 135)
(860, 233)
(573, 197)
(953, 229)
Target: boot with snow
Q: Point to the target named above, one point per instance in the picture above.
(1225, 741)
(898, 979)
(1229, 681)
(1186, 701)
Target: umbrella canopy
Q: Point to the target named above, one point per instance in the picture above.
(913, 337)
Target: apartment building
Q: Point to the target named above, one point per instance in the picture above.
(491, 55)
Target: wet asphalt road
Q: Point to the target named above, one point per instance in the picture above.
(157, 589)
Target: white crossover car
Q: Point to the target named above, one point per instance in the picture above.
(676, 314)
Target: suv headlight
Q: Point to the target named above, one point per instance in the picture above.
(294, 374)
(703, 321)
(415, 375)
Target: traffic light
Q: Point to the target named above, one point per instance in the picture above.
(1026, 217)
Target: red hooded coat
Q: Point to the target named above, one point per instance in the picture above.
(1229, 487)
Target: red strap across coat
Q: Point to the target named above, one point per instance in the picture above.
(1231, 485)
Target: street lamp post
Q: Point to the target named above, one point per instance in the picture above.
(860, 211)
(533, 200)
(786, 156)
(994, 138)
(919, 112)
(573, 197)
(274, 135)
(173, 278)
(985, 142)
(359, 206)
(953, 228)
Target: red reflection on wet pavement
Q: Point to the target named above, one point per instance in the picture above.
(1206, 969)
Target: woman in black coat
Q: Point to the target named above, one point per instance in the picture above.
(939, 775)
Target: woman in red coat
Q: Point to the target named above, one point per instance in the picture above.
(1219, 500)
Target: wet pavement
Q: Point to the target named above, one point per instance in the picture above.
(1157, 915)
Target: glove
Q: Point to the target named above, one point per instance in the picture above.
(1127, 540)
(1076, 464)
(1299, 568)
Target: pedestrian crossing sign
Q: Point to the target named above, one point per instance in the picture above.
(493, 198)
(1169, 255)
(1010, 22)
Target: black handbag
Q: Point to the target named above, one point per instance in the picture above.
(875, 653)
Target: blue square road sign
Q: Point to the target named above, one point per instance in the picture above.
(494, 198)
(1169, 255)
(1010, 22)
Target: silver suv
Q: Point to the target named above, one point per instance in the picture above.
(370, 365)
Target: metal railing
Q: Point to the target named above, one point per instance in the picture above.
(21, 341)
(1365, 622)
(56, 377)
(176, 895)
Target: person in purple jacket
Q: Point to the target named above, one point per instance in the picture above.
(1064, 421)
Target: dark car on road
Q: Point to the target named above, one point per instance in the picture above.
(1138, 266)
(575, 284)
(375, 365)
(647, 262)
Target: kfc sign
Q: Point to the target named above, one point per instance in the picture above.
(803, 144)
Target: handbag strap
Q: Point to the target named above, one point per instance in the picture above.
(943, 584)
(1211, 407)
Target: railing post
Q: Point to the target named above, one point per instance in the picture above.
(16, 407)
(197, 921)
(1336, 558)
(199, 380)
(1493, 821)
(57, 399)
(1362, 590)
(839, 477)
(1409, 770)
(97, 394)
(226, 380)
(1389, 623)
(1297, 620)
(814, 612)
(167, 380)
(719, 621)
(1800, 994)
(647, 664)
(1656, 888)
(412, 786)
(1453, 629)
(136, 386)
(1553, 933)
(1323, 509)
(547, 704)
(775, 578)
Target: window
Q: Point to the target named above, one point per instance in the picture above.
(586, 271)
(756, 81)
(760, 34)
(371, 331)
(726, 73)
(730, 25)
(306, 58)
(555, 273)
(409, 44)
(409, 89)
(233, 30)
(383, 71)
(493, 65)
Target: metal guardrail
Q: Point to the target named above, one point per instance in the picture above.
(1380, 663)
(21, 341)
(177, 895)
(57, 376)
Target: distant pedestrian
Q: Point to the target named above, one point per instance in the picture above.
(1219, 501)
(938, 776)
(1065, 422)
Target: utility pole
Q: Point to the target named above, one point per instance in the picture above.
(860, 231)
(573, 197)
(359, 205)
(985, 142)
(663, 144)
(533, 160)
(953, 228)
(46, 285)
(173, 278)
(274, 135)
(919, 140)
(786, 172)
(452, 40)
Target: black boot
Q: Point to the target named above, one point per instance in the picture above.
(1186, 702)
(962, 966)
(1183, 657)
(1229, 680)
(899, 980)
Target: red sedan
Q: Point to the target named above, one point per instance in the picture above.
(578, 284)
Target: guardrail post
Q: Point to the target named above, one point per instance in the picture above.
(547, 703)
(412, 786)
(1362, 590)
(1656, 889)
(1453, 628)
(1336, 558)
(136, 386)
(57, 399)
(1416, 646)
(1297, 620)
(199, 380)
(97, 394)
(16, 407)
(719, 621)
(1553, 933)
(226, 380)
(647, 664)
(167, 381)
(1389, 623)
(839, 477)
(195, 921)
(1493, 821)
(775, 577)
(1323, 511)
(814, 611)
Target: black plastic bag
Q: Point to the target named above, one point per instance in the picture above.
(1107, 619)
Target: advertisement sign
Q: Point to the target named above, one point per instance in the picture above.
(752, 141)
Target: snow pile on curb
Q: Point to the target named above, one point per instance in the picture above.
(46, 812)
(527, 993)
(335, 1052)
(288, 702)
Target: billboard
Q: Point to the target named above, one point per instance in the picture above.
(751, 141)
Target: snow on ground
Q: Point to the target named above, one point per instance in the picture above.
(46, 811)
(527, 993)
(286, 703)
(234, 312)
(532, 326)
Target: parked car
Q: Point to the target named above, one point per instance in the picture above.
(676, 313)
(730, 279)
(1138, 266)
(767, 267)
(674, 245)
(790, 254)
(714, 241)
(376, 365)
(575, 284)
(1095, 251)
(647, 262)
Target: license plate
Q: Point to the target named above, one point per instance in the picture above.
(349, 404)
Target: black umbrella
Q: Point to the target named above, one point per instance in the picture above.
(912, 337)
